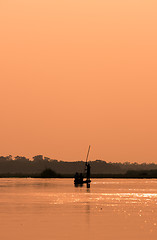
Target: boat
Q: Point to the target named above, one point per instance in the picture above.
(79, 178)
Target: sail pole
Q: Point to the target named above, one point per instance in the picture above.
(87, 155)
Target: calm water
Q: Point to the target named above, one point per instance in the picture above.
(54, 209)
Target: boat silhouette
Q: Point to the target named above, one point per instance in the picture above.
(80, 179)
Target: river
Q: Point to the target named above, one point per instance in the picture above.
(44, 209)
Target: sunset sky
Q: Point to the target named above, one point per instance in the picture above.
(74, 73)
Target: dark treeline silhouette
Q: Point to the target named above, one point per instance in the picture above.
(22, 166)
(49, 173)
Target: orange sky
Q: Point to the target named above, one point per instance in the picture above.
(74, 73)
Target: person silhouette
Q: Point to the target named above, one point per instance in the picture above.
(81, 178)
(88, 171)
(76, 178)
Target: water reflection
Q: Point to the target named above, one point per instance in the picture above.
(107, 209)
(87, 185)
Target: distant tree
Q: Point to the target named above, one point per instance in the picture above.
(9, 158)
(126, 163)
(21, 159)
(38, 158)
(135, 163)
(2, 159)
(48, 173)
(53, 160)
(47, 159)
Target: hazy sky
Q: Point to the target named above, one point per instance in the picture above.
(79, 72)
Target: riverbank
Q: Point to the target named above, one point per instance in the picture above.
(51, 174)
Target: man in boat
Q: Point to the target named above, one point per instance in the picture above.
(76, 181)
(88, 171)
(81, 178)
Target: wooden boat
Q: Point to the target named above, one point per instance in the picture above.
(79, 178)
(82, 182)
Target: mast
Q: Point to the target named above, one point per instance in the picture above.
(87, 155)
(88, 170)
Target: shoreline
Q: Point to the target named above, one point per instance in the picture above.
(72, 177)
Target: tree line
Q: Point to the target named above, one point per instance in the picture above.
(23, 165)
